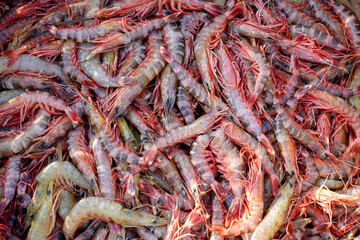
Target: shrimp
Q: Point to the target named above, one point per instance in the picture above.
(300, 134)
(139, 32)
(238, 103)
(328, 19)
(63, 170)
(8, 32)
(276, 214)
(242, 138)
(72, 10)
(29, 63)
(287, 147)
(293, 15)
(202, 44)
(186, 168)
(12, 175)
(233, 168)
(111, 144)
(188, 82)
(43, 222)
(329, 87)
(138, 55)
(60, 129)
(292, 47)
(264, 67)
(144, 73)
(169, 171)
(96, 207)
(31, 99)
(350, 22)
(168, 80)
(66, 203)
(187, 23)
(251, 29)
(72, 68)
(13, 145)
(311, 171)
(327, 101)
(177, 135)
(93, 69)
(26, 80)
(255, 196)
(87, 34)
(103, 165)
(323, 38)
(198, 160)
(293, 82)
(79, 153)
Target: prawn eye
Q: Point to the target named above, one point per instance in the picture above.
(48, 192)
(85, 103)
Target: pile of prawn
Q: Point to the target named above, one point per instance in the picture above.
(179, 119)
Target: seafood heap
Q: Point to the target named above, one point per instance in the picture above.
(179, 119)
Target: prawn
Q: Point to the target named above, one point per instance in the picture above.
(26, 80)
(255, 196)
(177, 135)
(111, 144)
(242, 138)
(13, 145)
(287, 147)
(43, 222)
(33, 98)
(108, 210)
(325, 100)
(238, 103)
(12, 175)
(96, 72)
(139, 32)
(86, 34)
(80, 154)
(138, 55)
(168, 79)
(198, 160)
(276, 214)
(202, 44)
(328, 19)
(233, 168)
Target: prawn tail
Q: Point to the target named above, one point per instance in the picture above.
(73, 116)
(236, 10)
(234, 211)
(219, 229)
(49, 27)
(150, 155)
(267, 144)
(356, 90)
(166, 55)
(274, 183)
(214, 9)
(3, 204)
(12, 60)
